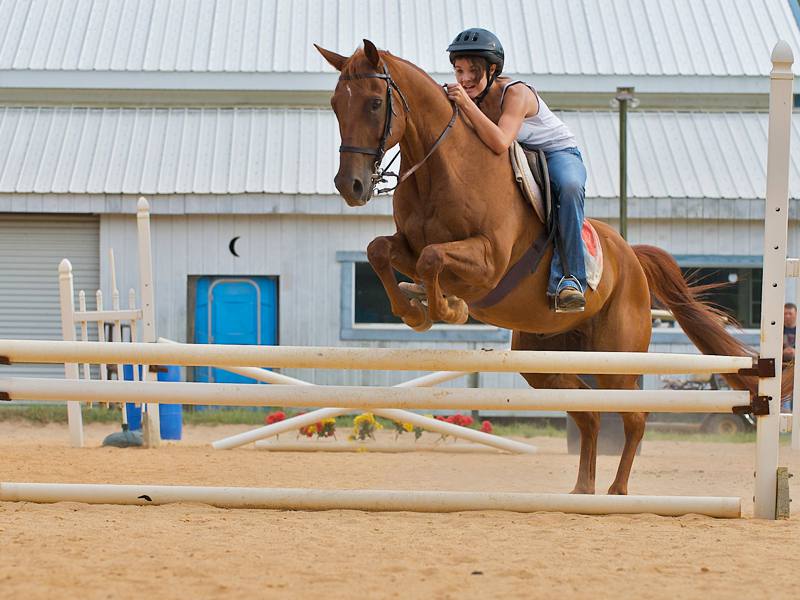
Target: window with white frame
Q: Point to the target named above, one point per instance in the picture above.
(366, 313)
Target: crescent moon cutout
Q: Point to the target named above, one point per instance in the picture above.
(232, 245)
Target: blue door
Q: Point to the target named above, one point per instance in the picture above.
(234, 310)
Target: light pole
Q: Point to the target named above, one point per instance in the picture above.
(623, 100)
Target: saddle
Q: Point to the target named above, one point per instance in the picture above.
(530, 171)
(533, 178)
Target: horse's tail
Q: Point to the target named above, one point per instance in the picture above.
(702, 323)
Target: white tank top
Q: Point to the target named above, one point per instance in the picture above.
(544, 131)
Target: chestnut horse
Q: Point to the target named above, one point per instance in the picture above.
(462, 223)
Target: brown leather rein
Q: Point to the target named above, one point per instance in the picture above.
(379, 175)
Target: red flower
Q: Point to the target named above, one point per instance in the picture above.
(275, 417)
(486, 427)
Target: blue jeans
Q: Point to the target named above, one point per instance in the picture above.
(567, 181)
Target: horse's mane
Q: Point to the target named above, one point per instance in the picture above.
(351, 65)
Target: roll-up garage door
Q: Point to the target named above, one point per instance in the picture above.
(31, 248)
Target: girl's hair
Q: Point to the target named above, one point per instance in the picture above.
(475, 61)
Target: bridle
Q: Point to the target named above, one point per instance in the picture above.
(379, 175)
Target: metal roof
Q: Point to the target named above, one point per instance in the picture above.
(557, 37)
(294, 151)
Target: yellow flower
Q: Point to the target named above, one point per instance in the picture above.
(408, 427)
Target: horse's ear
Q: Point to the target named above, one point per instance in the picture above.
(372, 53)
(335, 60)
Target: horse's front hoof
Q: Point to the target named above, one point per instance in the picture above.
(582, 490)
(457, 311)
(618, 490)
(423, 321)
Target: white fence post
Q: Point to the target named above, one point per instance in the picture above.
(151, 427)
(66, 292)
(776, 223)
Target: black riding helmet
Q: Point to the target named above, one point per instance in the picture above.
(481, 43)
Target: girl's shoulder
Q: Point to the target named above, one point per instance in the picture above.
(516, 88)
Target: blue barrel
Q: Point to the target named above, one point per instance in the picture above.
(170, 415)
(134, 412)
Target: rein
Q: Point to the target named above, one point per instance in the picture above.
(379, 175)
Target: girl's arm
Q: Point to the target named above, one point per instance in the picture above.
(498, 137)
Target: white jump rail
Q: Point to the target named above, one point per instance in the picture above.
(354, 397)
(390, 359)
(369, 500)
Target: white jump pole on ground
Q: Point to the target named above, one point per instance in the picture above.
(355, 397)
(776, 224)
(369, 500)
(371, 446)
(151, 427)
(390, 359)
(66, 293)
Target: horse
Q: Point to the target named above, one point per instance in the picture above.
(463, 224)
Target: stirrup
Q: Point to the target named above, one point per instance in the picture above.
(559, 288)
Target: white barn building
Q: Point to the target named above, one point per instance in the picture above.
(218, 112)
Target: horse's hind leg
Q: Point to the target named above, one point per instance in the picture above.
(589, 425)
(634, 424)
(634, 431)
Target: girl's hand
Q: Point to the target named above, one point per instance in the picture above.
(457, 94)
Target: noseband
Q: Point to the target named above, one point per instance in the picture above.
(379, 175)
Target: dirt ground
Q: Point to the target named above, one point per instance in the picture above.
(71, 550)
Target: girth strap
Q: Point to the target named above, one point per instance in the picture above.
(526, 265)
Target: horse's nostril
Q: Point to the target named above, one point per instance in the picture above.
(358, 188)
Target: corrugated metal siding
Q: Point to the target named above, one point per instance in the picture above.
(165, 151)
(294, 151)
(579, 37)
(31, 248)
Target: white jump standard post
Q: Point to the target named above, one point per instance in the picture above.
(151, 427)
(66, 291)
(776, 225)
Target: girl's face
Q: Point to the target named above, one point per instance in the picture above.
(471, 74)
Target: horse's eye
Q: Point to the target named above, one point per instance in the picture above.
(376, 103)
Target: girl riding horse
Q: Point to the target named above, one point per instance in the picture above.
(513, 110)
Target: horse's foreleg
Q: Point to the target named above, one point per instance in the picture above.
(384, 254)
(466, 260)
